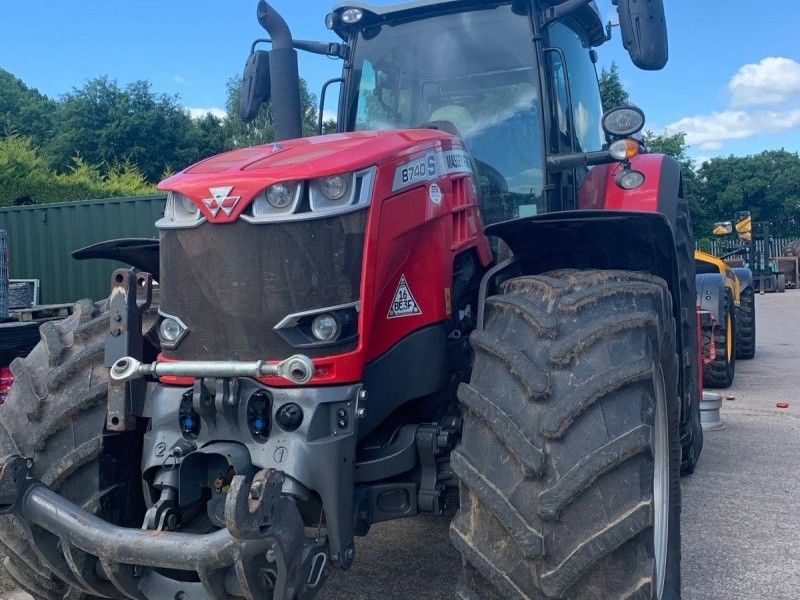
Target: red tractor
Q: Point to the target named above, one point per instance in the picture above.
(337, 340)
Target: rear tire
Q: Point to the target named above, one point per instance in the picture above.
(571, 411)
(55, 413)
(746, 344)
(691, 425)
(720, 372)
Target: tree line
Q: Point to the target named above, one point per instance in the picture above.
(767, 184)
(103, 139)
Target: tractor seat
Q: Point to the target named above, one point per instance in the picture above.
(455, 115)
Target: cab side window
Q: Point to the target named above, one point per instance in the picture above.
(580, 124)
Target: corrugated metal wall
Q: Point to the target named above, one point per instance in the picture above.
(41, 238)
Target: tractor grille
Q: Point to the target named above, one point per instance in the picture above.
(232, 283)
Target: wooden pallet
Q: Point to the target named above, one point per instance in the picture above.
(42, 311)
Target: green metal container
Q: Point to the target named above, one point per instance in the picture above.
(42, 238)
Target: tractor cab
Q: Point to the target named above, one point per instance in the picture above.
(516, 81)
(478, 71)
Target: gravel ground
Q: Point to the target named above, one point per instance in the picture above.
(741, 517)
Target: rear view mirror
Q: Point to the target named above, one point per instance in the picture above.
(723, 228)
(256, 85)
(744, 225)
(644, 32)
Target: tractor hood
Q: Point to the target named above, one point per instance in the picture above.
(235, 178)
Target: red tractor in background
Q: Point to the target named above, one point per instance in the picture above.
(336, 340)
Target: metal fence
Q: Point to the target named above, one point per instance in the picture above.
(41, 238)
(719, 247)
(3, 274)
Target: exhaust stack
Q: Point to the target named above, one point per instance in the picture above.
(284, 75)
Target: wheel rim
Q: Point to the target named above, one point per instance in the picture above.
(660, 484)
(729, 337)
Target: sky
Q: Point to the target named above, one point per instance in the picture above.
(732, 83)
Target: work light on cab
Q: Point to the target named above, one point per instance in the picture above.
(623, 122)
(352, 15)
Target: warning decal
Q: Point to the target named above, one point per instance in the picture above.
(404, 304)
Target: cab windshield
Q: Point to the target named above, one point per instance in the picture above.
(471, 73)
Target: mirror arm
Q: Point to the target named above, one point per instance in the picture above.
(257, 42)
(331, 49)
(563, 162)
(322, 101)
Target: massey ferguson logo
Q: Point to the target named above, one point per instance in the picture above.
(221, 200)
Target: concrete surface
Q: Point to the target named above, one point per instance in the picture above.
(741, 516)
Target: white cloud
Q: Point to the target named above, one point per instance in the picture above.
(199, 113)
(180, 79)
(709, 132)
(774, 80)
(764, 98)
(699, 160)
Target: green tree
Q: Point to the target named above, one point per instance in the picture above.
(24, 111)
(329, 126)
(107, 124)
(612, 91)
(23, 171)
(28, 179)
(766, 184)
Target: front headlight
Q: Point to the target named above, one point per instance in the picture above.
(317, 198)
(180, 212)
(330, 192)
(335, 193)
(334, 187)
(278, 200)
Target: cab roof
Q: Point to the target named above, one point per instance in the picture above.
(588, 15)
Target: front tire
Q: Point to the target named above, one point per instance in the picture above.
(569, 461)
(55, 413)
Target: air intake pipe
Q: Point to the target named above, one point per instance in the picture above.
(284, 74)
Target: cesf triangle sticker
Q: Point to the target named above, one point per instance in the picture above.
(403, 304)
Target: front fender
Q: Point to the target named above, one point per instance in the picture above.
(745, 277)
(711, 294)
(594, 239)
(142, 253)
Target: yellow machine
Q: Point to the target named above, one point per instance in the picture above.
(727, 293)
(714, 264)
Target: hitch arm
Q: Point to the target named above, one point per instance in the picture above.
(297, 369)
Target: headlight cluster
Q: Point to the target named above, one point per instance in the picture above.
(276, 201)
(292, 200)
(180, 212)
(285, 201)
(321, 327)
(171, 331)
